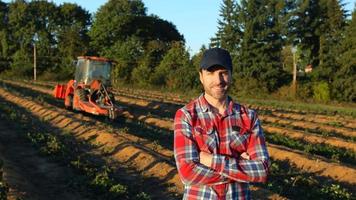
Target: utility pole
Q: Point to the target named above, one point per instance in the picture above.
(294, 83)
(34, 62)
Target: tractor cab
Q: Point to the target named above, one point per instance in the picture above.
(89, 69)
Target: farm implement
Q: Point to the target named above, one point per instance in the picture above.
(91, 90)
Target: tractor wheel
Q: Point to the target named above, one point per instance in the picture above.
(70, 106)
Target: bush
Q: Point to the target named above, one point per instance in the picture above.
(248, 87)
(321, 92)
(304, 91)
(285, 92)
(140, 75)
(22, 66)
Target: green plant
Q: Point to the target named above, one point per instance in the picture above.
(143, 196)
(335, 191)
(321, 92)
(118, 190)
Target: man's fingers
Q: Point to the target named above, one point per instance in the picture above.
(245, 156)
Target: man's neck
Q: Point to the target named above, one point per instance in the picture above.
(218, 105)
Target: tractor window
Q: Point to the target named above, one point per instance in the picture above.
(99, 70)
(81, 71)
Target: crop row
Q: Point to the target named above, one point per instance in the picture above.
(328, 151)
(94, 177)
(328, 188)
(335, 124)
(313, 112)
(275, 105)
(340, 124)
(115, 146)
(340, 154)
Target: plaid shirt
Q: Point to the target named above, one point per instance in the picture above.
(226, 137)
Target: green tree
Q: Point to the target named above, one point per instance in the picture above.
(4, 37)
(333, 23)
(260, 57)
(229, 30)
(21, 39)
(153, 54)
(150, 28)
(114, 22)
(344, 86)
(175, 71)
(306, 25)
(43, 16)
(73, 39)
(121, 30)
(126, 54)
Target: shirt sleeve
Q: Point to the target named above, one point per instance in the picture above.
(190, 170)
(241, 170)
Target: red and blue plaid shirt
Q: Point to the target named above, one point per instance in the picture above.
(197, 128)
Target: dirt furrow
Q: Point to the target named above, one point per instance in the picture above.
(309, 163)
(346, 121)
(311, 138)
(121, 147)
(309, 125)
(323, 120)
(321, 167)
(29, 175)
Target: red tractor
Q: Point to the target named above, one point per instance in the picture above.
(91, 90)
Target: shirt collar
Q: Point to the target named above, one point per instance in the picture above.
(205, 106)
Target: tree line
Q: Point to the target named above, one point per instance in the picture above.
(262, 34)
(150, 51)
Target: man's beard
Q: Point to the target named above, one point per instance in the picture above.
(218, 93)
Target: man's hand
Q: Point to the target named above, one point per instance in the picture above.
(245, 156)
(206, 158)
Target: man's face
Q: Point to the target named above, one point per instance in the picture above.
(216, 81)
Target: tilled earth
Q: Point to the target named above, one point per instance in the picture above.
(149, 158)
(29, 175)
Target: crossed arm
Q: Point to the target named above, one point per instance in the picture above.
(201, 168)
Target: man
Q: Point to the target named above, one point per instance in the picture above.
(219, 146)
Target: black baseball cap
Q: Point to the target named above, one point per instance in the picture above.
(216, 57)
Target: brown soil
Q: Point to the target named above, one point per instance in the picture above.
(145, 157)
(322, 119)
(313, 139)
(29, 175)
(309, 125)
(321, 167)
(347, 122)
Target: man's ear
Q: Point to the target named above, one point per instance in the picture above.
(201, 76)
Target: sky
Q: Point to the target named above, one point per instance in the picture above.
(196, 19)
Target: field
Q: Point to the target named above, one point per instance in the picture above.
(313, 151)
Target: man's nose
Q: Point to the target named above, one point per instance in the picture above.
(219, 78)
